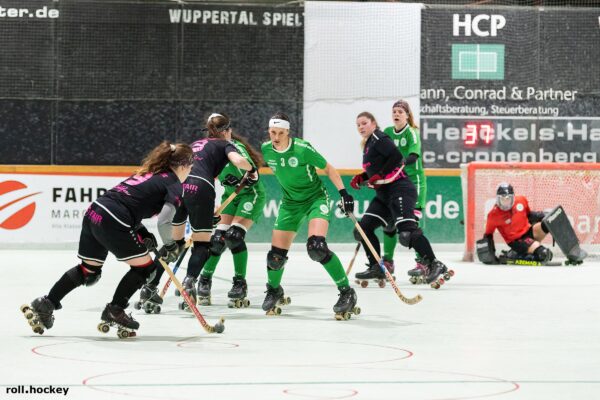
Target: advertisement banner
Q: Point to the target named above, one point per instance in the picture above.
(48, 209)
(508, 85)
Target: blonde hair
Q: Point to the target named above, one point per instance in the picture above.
(371, 117)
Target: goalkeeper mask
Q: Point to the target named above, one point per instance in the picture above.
(505, 196)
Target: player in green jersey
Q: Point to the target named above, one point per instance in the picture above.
(236, 219)
(294, 162)
(405, 135)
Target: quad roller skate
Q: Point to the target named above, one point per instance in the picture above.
(204, 285)
(150, 300)
(115, 315)
(372, 273)
(346, 304)
(238, 293)
(189, 285)
(39, 314)
(418, 273)
(274, 298)
(438, 274)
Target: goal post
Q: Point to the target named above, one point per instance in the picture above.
(575, 186)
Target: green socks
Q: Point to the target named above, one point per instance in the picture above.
(389, 246)
(335, 269)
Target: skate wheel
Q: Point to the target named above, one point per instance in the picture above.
(356, 310)
(148, 308)
(413, 280)
(24, 308)
(441, 281)
(157, 310)
(38, 329)
(364, 284)
(274, 311)
(381, 283)
(435, 285)
(451, 272)
(238, 304)
(246, 303)
(338, 317)
(346, 316)
(137, 305)
(104, 328)
(181, 306)
(33, 322)
(29, 314)
(122, 334)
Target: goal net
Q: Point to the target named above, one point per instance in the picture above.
(575, 186)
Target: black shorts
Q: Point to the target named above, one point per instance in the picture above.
(522, 244)
(394, 205)
(102, 232)
(198, 205)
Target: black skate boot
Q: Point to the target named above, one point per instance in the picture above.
(435, 269)
(238, 293)
(204, 285)
(115, 315)
(372, 273)
(274, 298)
(189, 285)
(39, 314)
(346, 304)
(150, 300)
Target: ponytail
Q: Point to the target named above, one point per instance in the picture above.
(166, 156)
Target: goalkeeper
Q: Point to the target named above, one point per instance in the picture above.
(523, 230)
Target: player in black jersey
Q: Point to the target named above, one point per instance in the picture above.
(211, 155)
(395, 197)
(112, 223)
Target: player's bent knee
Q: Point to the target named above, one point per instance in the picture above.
(276, 258)
(408, 234)
(234, 237)
(85, 274)
(317, 249)
(217, 242)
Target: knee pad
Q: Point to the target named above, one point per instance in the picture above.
(217, 242)
(389, 230)
(143, 273)
(200, 251)
(85, 274)
(234, 237)
(408, 235)
(317, 249)
(542, 254)
(276, 258)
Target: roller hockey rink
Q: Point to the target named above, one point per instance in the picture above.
(505, 332)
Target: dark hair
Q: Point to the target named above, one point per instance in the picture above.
(217, 124)
(280, 115)
(252, 152)
(166, 156)
(403, 104)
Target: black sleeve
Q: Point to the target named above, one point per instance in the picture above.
(411, 159)
(394, 161)
(174, 193)
(535, 216)
(228, 147)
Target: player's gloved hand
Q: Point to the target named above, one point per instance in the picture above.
(169, 252)
(145, 237)
(252, 177)
(231, 180)
(357, 180)
(346, 202)
(373, 181)
(216, 220)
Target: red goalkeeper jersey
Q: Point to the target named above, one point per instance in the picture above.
(511, 224)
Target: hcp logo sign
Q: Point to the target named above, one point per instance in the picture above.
(16, 209)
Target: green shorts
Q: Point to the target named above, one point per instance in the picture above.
(292, 214)
(247, 205)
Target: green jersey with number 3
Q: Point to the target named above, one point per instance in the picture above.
(295, 170)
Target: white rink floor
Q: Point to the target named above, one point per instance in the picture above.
(491, 332)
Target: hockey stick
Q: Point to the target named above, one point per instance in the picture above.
(387, 180)
(389, 277)
(353, 258)
(163, 292)
(219, 327)
(232, 196)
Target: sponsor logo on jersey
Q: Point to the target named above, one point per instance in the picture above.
(248, 206)
(293, 162)
(16, 209)
(508, 221)
(402, 142)
(324, 209)
(520, 207)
